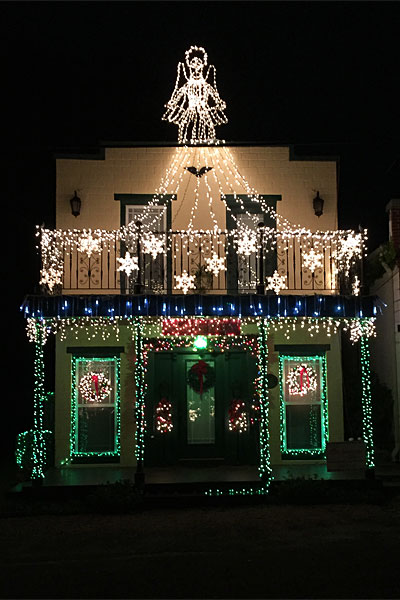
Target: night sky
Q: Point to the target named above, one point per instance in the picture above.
(321, 75)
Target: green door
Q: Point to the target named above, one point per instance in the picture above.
(189, 402)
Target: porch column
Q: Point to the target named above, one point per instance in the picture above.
(367, 427)
(38, 442)
(140, 392)
(264, 468)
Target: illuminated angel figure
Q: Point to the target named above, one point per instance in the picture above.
(195, 106)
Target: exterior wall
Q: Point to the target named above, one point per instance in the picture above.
(140, 171)
(385, 348)
(127, 397)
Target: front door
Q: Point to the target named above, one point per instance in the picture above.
(200, 406)
(189, 401)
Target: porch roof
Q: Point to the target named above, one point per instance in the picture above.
(209, 305)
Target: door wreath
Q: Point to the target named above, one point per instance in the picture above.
(201, 377)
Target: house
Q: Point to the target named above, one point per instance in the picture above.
(386, 346)
(197, 294)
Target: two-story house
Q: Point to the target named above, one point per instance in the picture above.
(197, 293)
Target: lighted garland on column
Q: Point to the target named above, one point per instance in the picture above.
(140, 391)
(38, 448)
(265, 469)
(366, 402)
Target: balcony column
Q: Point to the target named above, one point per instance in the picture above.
(140, 398)
(366, 403)
(38, 443)
(265, 470)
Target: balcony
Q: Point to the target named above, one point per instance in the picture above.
(201, 263)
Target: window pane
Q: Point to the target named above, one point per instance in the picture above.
(303, 426)
(303, 403)
(96, 429)
(200, 412)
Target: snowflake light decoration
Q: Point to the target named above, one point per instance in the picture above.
(313, 260)
(195, 105)
(246, 243)
(151, 244)
(128, 264)
(215, 264)
(185, 282)
(88, 244)
(276, 282)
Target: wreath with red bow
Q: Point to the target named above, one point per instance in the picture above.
(201, 377)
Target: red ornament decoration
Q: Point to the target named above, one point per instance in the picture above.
(238, 416)
(164, 416)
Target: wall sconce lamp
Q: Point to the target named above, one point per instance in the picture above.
(318, 205)
(75, 205)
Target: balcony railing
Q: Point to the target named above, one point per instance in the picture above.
(99, 270)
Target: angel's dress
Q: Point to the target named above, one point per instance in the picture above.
(191, 110)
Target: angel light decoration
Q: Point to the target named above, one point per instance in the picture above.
(195, 105)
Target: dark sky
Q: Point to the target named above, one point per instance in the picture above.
(322, 75)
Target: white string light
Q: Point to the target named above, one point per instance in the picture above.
(195, 105)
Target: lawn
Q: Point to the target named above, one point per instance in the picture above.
(248, 551)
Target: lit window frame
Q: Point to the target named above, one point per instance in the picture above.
(319, 453)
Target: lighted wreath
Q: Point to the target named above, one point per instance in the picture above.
(94, 387)
(201, 377)
(301, 380)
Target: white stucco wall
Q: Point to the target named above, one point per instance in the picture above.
(140, 170)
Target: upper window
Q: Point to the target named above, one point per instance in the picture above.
(304, 415)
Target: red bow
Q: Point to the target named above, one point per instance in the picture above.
(200, 369)
(302, 371)
(95, 379)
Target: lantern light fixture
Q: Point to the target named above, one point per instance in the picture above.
(76, 205)
(318, 205)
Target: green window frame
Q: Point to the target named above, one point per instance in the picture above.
(97, 364)
(294, 401)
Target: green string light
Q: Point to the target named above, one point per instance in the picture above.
(366, 402)
(324, 421)
(140, 388)
(38, 441)
(74, 453)
(265, 469)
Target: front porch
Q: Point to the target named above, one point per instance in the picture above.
(187, 479)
